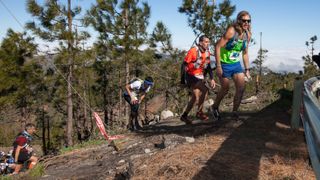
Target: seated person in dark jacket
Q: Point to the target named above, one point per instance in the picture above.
(22, 151)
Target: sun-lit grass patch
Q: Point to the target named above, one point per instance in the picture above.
(90, 143)
(37, 171)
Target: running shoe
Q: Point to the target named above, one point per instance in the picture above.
(216, 114)
(185, 119)
(202, 116)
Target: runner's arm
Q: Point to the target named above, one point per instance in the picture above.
(16, 156)
(245, 54)
(210, 71)
(245, 57)
(128, 88)
(142, 97)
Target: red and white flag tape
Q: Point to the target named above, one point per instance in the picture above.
(103, 130)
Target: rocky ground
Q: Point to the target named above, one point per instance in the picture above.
(262, 147)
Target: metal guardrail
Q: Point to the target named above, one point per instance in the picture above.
(310, 116)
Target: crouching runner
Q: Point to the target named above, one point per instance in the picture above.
(135, 92)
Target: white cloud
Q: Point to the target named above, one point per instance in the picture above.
(282, 59)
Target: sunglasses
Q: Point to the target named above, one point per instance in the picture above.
(246, 20)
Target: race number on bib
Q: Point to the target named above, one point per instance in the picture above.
(234, 55)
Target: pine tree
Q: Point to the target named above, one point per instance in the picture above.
(166, 73)
(208, 18)
(258, 62)
(161, 35)
(259, 68)
(18, 73)
(121, 27)
(310, 68)
(54, 23)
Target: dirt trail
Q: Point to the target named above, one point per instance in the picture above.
(262, 147)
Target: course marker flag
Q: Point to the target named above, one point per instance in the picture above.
(103, 130)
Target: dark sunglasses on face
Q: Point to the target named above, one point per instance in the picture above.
(246, 20)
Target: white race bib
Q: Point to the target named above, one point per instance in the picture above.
(234, 56)
(199, 76)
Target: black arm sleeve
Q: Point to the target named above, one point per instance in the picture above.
(209, 70)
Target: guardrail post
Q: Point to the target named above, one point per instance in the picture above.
(296, 103)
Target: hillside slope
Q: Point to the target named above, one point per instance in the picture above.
(262, 147)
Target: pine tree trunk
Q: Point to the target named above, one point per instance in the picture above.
(69, 109)
(127, 82)
(90, 111)
(44, 146)
(127, 63)
(120, 95)
(48, 131)
(69, 101)
(78, 125)
(257, 84)
(105, 105)
(85, 111)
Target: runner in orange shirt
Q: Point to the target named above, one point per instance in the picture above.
(196, 61)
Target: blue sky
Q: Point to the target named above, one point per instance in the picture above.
(285, 24)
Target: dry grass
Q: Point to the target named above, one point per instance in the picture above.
(183, 162)
(277, 167)
(285, 159)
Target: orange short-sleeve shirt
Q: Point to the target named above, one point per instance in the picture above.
(191, 58)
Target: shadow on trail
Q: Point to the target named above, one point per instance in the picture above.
(239, 156)
(198, 128)
(180, 129)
